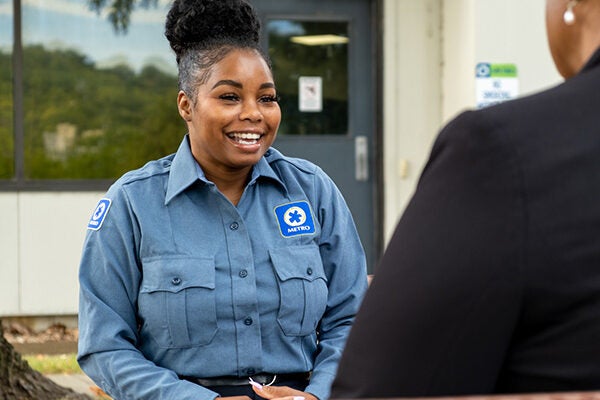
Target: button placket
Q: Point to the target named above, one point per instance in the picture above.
(244, 296)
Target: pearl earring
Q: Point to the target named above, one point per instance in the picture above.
(569, 15)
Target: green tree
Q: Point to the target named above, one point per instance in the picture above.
(6, 120)
(119, 10)
(112, 120)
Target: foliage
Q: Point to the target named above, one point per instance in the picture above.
(82, 122)
(119, 11)
(6, 120)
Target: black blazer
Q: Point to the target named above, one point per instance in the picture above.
(491, 282)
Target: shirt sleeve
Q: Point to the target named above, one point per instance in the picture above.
(109, 278)
(440, 312)
(345, 267)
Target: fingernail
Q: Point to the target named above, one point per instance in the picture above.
(259, 386)
(298, 398)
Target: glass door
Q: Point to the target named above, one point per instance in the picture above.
(323, 61)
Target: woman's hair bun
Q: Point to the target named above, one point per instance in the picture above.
(196, 24)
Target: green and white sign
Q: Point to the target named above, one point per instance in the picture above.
(495, 83)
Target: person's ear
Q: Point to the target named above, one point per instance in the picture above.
(184, 105)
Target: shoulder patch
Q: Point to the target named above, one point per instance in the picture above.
(295, 219)
(99, 214)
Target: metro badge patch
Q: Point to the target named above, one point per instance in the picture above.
(99, 214)
(295, 219)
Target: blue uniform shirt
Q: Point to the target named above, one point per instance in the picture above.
(177, 281)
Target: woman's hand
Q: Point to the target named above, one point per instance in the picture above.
(281, 393)
(235, 398)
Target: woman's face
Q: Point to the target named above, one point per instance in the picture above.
(236, 115)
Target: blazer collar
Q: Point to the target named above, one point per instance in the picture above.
(592, 62)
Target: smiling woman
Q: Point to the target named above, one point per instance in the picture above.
(229, 254)
(232, 122)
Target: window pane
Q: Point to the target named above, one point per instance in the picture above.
(96, 103)
(7, 146)
(310, 63)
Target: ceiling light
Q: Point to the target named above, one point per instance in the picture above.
(319, 40)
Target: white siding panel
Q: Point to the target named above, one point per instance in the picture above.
(9, 260)
(52, 230)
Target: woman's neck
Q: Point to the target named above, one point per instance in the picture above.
(230, 183)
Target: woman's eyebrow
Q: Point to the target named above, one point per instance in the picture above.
(230, 82)
(267, 85)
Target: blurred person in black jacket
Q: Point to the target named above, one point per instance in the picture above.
(491, 281)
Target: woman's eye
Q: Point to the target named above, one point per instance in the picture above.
(229, 97)
(269, 99)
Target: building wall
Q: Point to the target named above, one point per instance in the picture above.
(431, 48)
(41, 236)
(412, 96)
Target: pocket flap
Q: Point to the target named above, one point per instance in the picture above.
(176, 274)
(298, 262)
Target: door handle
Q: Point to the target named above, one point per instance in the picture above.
(361, 158)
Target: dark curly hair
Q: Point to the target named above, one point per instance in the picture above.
(203, 32)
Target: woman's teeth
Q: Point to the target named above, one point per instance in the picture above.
(245, 138)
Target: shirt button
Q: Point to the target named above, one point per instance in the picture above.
(243, 273)
(234, 226)
(309, 271)
(248, 321)
(176, 281)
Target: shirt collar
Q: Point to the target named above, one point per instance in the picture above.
(185, 171)
(263, 169)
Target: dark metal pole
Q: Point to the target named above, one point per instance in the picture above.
(18, 114)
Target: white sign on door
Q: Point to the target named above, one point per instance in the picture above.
(310, 94)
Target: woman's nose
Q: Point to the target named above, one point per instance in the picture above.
(251, 111)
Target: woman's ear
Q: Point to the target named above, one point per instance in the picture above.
(184, 105)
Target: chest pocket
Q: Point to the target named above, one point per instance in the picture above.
(177, 301)
(302, 288)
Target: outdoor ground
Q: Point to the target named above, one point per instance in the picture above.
(52, 352)
(56, 339)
